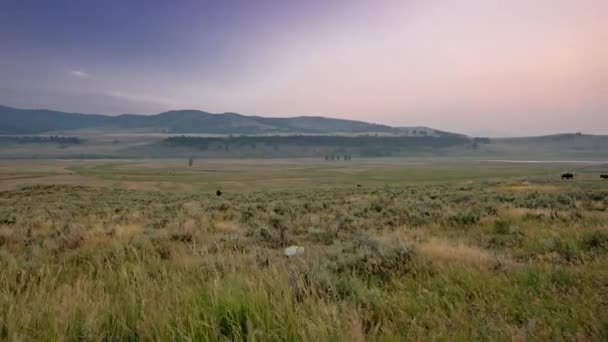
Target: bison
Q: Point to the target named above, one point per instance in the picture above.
(567, 175)
(219, 192)
(604, 176)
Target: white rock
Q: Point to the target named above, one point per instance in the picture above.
(294, 250)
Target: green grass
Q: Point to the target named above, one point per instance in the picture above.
(308, 173)
(424, 250)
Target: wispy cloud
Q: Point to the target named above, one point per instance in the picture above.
(79, 74)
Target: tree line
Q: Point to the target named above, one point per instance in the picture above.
(387, 143)
(62, 140)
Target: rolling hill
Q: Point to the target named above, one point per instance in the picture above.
(192, 133)
(34, 121)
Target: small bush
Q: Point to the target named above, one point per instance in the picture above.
(465, 218)
(70, 241)
(182, 237)
(504, 227)
(232, 319)
(566, 249)
(316, 282)
(596, 241)
(7, 218)
(370, 258)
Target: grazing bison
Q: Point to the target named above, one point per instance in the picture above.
(219, 192)
(604, 176)
(567, 175)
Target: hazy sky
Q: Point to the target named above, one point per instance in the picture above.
(485, 67)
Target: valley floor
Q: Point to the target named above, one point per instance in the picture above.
(393, 249)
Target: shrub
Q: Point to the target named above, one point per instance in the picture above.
(7, 217)
(504, 226)
(596, 241)
(491, 210)
(316, 282)
(182, 237)
(465, 218)
(371, 258)
(232, 320)
(566, 249)
(70, 241)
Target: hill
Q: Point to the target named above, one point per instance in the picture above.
(26, 121)
(34, 121)
(192, 133)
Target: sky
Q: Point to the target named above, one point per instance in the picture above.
(480, 67)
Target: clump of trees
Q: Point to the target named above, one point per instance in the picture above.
(339, 142)
(43, 140)
(475, 142)
(345, 157)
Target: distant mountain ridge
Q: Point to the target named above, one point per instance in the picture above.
(36, 121)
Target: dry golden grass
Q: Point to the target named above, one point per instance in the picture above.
(527, 187)
(456, 252)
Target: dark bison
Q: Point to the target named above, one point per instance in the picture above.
(604, 176)
(219, 192)
(567, 175)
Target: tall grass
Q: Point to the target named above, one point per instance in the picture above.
(413, 262)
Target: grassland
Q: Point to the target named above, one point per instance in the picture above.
(423, 249)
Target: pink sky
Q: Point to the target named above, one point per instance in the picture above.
(519, 67)
(484, 67)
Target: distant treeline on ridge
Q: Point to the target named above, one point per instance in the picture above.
(362, 145)
(56, 139)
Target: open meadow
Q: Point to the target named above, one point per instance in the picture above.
(394, 249)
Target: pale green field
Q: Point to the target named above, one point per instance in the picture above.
(256, 174)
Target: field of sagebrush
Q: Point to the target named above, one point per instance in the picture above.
(496, 260)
